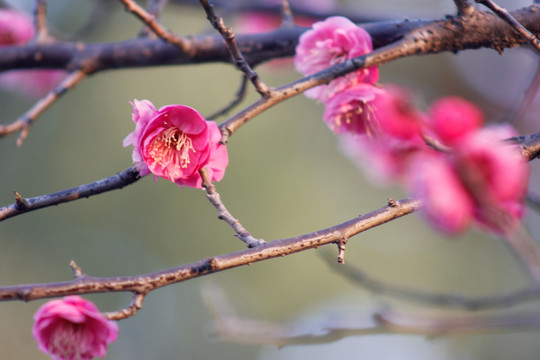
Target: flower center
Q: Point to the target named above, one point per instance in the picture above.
(171, 150)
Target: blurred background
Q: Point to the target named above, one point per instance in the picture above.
(286, 177)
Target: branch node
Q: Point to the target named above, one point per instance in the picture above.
(341, 243)
(393, 203)
(21, 203)
(75, 269)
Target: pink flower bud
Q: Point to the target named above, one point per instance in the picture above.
(331, 42)
(73, 328)
(454, 117)
(174, 143)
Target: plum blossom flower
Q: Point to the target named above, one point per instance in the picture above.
(331, 42)
(16, 28)
(72, 328)
(174, 143)
(481, 179)
(352, 110)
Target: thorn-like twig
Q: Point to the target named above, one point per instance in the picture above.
(225, 215)
(238, 58)
(40, 20)
(75, 269)
(286, 13)
(24, 122)
(131, 310)
(341, 243)
(464, 7)
(516, 25)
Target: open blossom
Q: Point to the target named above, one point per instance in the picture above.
(17, 28)
(331, 42)
(481, 179)
(174, 143)
(72, 328)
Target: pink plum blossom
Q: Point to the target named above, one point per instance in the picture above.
(453, 117)
(72, 328)
(16, 28)
(480, 179)
(331, 42)
(174, 143)
(352, 110)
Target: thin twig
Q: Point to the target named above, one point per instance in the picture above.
(464, 7)
(131, 310)
(154, 9)
(286, 14)
(526, 250)
(238, 97)
(516, 25)
(148, 282)
(335, 324)
(238, 58)
(40, 20)
(225, 215)
(522, 105)
(21, 205)
(23, 123)
(157, 28)
(361, 278)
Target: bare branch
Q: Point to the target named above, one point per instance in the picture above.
(286, 14)
(23, 123)
(516, 25)
(225, 215)
(148, 282)
(238, 58)
(21, 205)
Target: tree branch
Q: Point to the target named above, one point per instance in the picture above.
(145, 283)
(21, 205)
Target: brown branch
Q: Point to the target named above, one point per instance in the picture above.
(230, 41)
(131, 310)
(516, 25)
(148, 282)
(225, 215)
(22, 205)
(24, 122)
(150, 21)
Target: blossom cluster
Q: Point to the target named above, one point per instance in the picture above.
(463, 172)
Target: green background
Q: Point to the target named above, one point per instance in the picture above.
(286, 177)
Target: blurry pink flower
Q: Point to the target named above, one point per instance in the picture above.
(72, 328)
(384, 159)
(17, 28)
(174, 143)
(331, 42)
(397, 115)
(454, 117)
(445, 202)
(482, 179)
